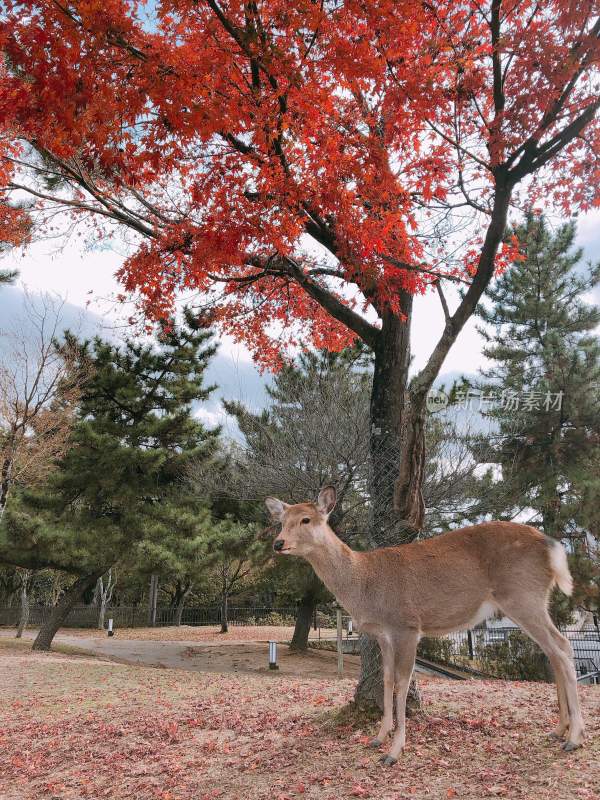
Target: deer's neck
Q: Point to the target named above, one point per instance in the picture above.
(338, 567)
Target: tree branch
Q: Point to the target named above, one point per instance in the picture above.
(423, 382)
(367, 332)
(438, 286)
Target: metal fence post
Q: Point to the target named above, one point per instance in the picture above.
(340, 646)
(470, 642)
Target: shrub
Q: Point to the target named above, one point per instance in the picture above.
(276, 619)
(326, 620)
(516, 658)
(436, 649)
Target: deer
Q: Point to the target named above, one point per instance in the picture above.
(433, 586)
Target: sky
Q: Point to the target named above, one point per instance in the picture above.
(86, 280)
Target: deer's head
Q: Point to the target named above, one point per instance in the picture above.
(304, 525)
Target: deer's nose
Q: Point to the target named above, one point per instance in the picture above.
(278, 544)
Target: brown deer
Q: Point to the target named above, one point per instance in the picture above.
(433, 587)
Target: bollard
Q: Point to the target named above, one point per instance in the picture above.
(110, 627)
(273, 655)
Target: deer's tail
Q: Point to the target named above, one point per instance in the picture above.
(560, 567)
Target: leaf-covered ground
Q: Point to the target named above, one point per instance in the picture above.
(75, 727)
(203, 633)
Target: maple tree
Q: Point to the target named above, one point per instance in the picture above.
(307, 167)
(226, 134)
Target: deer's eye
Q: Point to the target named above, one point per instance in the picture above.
(306, 520)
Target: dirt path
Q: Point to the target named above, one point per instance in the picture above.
(217, 657)
(222, 657)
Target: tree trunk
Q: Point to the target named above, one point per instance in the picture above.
(369, 691)
(224, 620)
(100, 601)
(5, 476)
(181, 601)
(61, 610)
(304, 618)
(103, 595)
(398, 417)
(24, 613)
(152, 600)
(101, 615)
(397, 438)
(397, 451)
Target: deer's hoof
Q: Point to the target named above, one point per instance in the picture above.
(556, 737)
(568, 746)
(375, 744)
(388, 761)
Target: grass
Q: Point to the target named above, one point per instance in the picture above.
(74, 727)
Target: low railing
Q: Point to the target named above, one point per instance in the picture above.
(508, 653)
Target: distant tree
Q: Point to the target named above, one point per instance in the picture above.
(314, 431)
(543, 387)
(456, 452)
(7, 276)
(236, 553)
(181, 556)
(105, 587)
(39, 391)
(585, 565)
(116, 485)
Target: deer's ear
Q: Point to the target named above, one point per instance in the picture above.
(326, 500)
(276, 508)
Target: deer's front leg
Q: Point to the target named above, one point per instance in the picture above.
(406, 651)
(387, 658)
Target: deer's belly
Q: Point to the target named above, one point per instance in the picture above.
(448, 620)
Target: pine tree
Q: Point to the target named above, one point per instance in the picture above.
(181, 555)
(7, 276)
(119, 483)
(315, 431)
(236, 554)
(543, 387)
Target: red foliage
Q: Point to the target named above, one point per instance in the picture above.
(226, 134)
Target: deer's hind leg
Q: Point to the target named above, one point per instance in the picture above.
(406, 651)
(563, 706)
(536, 622)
